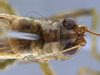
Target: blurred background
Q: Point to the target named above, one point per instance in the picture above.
(48, 8)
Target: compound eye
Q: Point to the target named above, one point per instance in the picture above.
(69, 22)
(71, 53)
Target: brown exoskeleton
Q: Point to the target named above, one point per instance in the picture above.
(44, 49)
(59, 40)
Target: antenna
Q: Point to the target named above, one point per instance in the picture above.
(92, 32)
(34, 12)
(84, 29)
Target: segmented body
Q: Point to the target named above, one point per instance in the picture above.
(6, 48)
(49, 42)
(55, 38)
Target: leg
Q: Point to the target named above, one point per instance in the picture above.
(9, 60)
(95, 21)
(46, 69)
(6, 63)
(87, 71)
(6, 8)
(75, 14)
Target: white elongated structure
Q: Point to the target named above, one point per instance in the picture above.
(22, 35)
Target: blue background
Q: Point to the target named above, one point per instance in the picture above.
(48, 8)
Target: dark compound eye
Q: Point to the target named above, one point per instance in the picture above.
(72, 52)
(69, 22)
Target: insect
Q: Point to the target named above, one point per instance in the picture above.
(60, 39)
